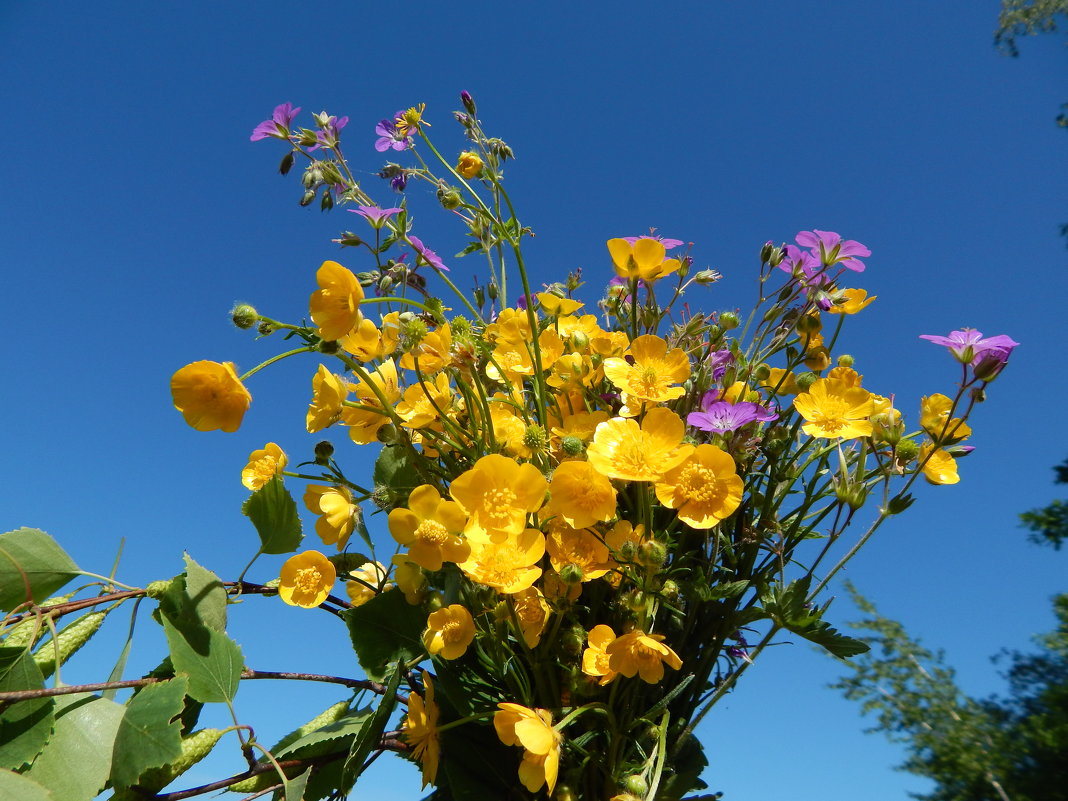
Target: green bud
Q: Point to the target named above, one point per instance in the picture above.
(571, 574)
(572, 445)
(653, 553)
(265, 329)
(898, 504)
(853, 495)
(434, 601)
(244, 316)
(773, 313)
(845, 360)
(498, 148)
(157, 589)
(480, 296)
(287, 163)
(714, 333)
(670, 590)
(805, 380)
(308, 197)
(385, 284)
(387, 433)
(573, 641)
(776, 256)
(327, 201)
(705, 277)
(728, 320)
(493, 290)
(323, 451)
(762, 372)
(535, 439)
(636, 785)
(328, 346)
(449, 197)
(808, 324)
(907, 450)
(580, 341)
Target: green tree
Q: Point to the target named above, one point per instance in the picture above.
(1049, 525)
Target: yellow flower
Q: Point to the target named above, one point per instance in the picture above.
(641, 653)
(449, 631)
(470, 164)
(419, 409)
(263, 465)
(210, 396)
(335, 509)
(580, 495)
(410, 579)
(595, 659)
(644, 259)
(372, 581)
(509, 566)
(328, 395)
(651, 372)
(533, 730)
(555, 306)
(420, 731)
(621, 449)
(365, 342)
(532, 612)
(706, 488)
(578, 552)
(850, 301)
(934, 419)
(432, 352)
(335, 307)
(941, 468)
(306, 579)
(430, 527)
(835, 409)
(781, 382)
(509, 430)
(364, 424)
(498, 493)
(407, 122)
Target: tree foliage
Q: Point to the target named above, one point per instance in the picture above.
(1026, 18)
(1049, 525)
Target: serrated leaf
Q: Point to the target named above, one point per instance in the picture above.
(75, 763)
(294, 788)
(836, 643)
(26, 726)
(214, 667)
(206, 595)
(324, 740)
(150, 733)
(385, 629)
(394, 469)
(273, 512)
(32, 565)
(15, 787)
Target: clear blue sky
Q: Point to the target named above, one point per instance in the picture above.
(135, 211)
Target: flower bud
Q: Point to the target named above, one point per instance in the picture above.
(571, 573)
(287, 163)
(480, 296)
(535, 439)
(327, 201)
(323, 451)
(776, 256)
(653, 553)
(805, 380)
(762, 372)
(329, 346)
(728, 320)
(773, 313)
(493, 290)
(449, 196)
(468, 101)
(853, 495)
(907, 450)
(385, 283)
(845, 360)
(573, 641)
(808, 324)
(765, 252)
(498, 148)
(244, 316)
(308, 197)
(670, 590)
(707, 277)
(572, 445)
(978, 394)
(898, 504)
(636, 785)
(434, 601)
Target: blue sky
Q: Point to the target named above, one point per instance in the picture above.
(135, 211)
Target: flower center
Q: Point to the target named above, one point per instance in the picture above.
(699, 484)
(433, 532)
(499, 503)
(308, 580)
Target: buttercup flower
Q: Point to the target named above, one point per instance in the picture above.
(595, 659)
(651, 372)
(498, 493)
(835, 409)
(940, 468)
(420, 730)
(336, 511)
(577, 550)
(306, 579)
(372, 581)
(469, 165)
(449, 631)
(935, 420)
(509, 565)
(644, 258)
(328, 395)
(705, 489)
(580, 495)
(278, 125)
(850, 301)
(622, 449)
(210, 396)
(641, 653)
(532, 612)
(430, 527)
(533, 730)
(335, 307)
(263, 465)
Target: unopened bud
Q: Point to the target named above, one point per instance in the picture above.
(287, 163)
(765, 252)
(707, 276)
(492, 290)
(978, 394)
(434, 601)
(808, 324)
(845, 360)
(573, 641)
(244, 316)
(387, 433)
(636, 785)
(805, 380)
(728, 320)
(670, 590)
(762, 372)
(328, 346)
(308, 197)
(449, 197)
(468, 101)
(327, 201)
(480, 296)
(571, 573)
(323, 451)
(499, 149)
(853, 495)
(653, 553)
(989, 367)
(572, 445)
(776, 256)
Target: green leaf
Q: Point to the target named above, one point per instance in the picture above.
(26, 726)
(15, 787)
(150, 733)
(294, 788)
(194, 602)
(273, 512)
(395, 470)
(323, 740)
(213, 666)
(787, 608)
(371, 731)
(385, 629)
(32, 565)
(75, 763)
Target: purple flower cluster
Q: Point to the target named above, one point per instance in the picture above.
(826, 249)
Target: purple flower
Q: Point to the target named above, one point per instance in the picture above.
(831, 249)
(429, 256)
(278, 125)
(719, 361)
(969, 347)
(794, 259)
(329, 130)
(523, 302)
(667, 243)
(721, 416)
(374, 215)
(390, 137)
